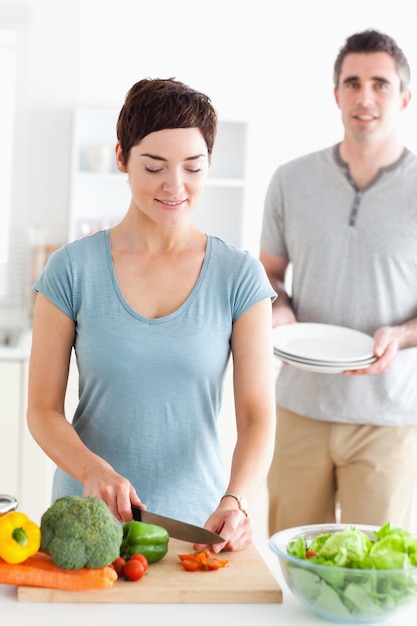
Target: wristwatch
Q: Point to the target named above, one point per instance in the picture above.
(241, 501)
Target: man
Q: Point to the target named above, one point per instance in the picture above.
(345, 220)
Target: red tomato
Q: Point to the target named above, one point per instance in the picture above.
(118, 565)
(141, 558)
(134, 569)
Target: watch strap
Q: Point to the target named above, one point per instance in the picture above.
(241, 502)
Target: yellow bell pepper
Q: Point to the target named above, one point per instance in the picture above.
(20, 537)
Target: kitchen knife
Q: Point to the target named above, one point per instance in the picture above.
(175, 528)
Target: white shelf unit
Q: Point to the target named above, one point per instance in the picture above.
(99, 199)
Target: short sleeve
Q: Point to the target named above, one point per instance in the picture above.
(55, 281)
(253, 286)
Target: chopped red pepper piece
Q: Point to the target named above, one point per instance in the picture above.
(214, 563)
(202, 561)
(310, 553)
(189, 565)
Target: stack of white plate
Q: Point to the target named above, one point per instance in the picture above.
(323, 348)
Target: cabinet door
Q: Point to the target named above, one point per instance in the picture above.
(10, 410)
(36, 469)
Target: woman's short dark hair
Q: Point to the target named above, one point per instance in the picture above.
(157, 104)
(374, 41)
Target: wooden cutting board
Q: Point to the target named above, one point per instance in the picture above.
(246, 579)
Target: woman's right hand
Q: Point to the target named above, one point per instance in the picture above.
(116, 491)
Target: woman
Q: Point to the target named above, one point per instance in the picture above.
(153, 308)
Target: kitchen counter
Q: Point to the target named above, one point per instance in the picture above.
(290, 611)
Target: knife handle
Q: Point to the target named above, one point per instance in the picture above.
(137, 513)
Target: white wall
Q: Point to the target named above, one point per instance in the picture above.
(269, 63)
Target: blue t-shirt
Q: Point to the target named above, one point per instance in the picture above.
(150, 390)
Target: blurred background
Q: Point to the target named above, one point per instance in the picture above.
(267, 65)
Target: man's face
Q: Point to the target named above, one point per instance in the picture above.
(369, 95)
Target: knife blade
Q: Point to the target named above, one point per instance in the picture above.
(176, 528)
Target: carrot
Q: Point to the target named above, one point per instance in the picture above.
(40, 571)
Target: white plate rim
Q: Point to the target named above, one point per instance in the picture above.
(289, 357)
(359, 345)
(324, 369)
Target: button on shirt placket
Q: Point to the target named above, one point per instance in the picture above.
(355, 208)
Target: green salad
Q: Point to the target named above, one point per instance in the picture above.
(350, 592)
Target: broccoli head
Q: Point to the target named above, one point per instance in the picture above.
(80, 532)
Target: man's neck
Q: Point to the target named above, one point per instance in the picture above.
(365, 159)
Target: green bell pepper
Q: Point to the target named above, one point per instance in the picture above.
(147, 539)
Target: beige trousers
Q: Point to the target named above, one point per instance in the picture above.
(326, 472)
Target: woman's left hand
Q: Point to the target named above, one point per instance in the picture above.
(235, 528)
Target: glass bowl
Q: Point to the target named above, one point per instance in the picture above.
(343, 594)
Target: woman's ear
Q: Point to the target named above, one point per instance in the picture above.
(120, 160)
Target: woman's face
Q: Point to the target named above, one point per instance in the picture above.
(167, 173)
